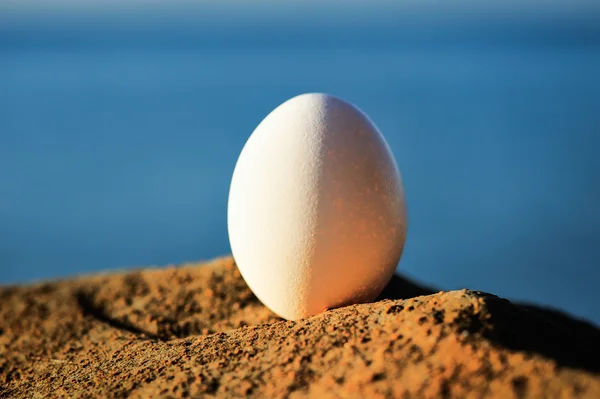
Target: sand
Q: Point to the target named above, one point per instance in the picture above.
(197, 331)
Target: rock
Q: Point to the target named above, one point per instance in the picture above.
(197, 331)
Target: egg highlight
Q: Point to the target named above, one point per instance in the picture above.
(316, 212)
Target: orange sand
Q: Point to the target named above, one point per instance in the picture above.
(199, 331)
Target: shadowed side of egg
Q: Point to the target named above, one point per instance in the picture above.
(316, 213)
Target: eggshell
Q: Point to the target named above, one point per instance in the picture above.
(316, 213)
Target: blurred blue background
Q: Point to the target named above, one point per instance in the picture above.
(120, 129)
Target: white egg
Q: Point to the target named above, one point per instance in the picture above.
(316, 214)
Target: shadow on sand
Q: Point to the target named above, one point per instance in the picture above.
(524, 327)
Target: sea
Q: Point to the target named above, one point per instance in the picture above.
(118, 139)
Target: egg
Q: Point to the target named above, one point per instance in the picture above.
(316, 212)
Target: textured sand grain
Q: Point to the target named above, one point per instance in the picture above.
(198, 331)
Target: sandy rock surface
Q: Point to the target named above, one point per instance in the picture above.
(196, 331)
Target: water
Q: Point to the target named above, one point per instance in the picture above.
(117, 142)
